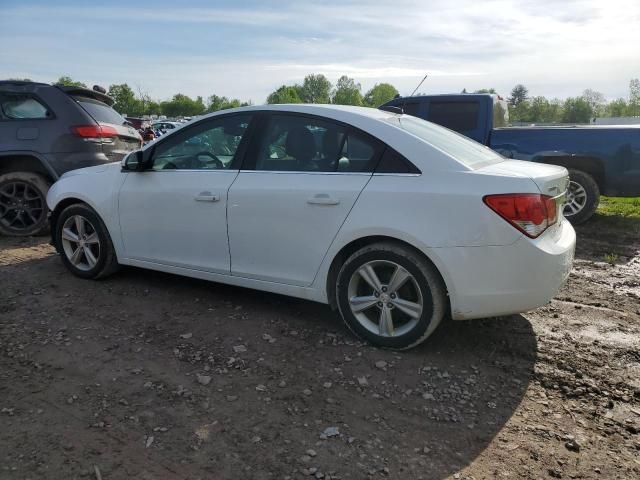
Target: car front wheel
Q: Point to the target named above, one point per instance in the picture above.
(390, 295)
(84, 242)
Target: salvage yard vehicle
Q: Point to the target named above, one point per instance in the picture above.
(393, 220)
(601, 159)
(46, 130)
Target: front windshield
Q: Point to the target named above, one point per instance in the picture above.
(461, 148)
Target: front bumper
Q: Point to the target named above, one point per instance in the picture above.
(503, 280)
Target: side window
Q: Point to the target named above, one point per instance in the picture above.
(411, 108)
(295, 143)
(211, 145)
(393, 162)
(457, 116)
(17, 106)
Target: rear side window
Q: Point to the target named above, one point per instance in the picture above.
(393, 162)
(17, 106)
(100, 112)
(294, 143)
(458, 116)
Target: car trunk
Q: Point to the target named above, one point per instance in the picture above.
(550, 179)
(126, 139)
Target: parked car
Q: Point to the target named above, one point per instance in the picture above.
(393, 220)
(46, 130)
(600, 159)
(165, 126)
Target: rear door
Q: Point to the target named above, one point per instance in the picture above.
(126, 138)
(302, 177)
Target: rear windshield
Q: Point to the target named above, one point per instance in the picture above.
(101, 112)
(466, 151)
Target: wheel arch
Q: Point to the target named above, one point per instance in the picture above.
(26, 162)
(353, 246)
(590, 165)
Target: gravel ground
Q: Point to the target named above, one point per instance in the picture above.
(152, 376)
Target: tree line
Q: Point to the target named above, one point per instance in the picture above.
(316, 88)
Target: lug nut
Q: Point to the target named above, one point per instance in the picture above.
(380, 304)
(393, 295)
(384, 289)
(376, 294)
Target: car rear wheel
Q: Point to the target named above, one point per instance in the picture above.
(84, 243)
(583, 197)
(390, 296)
(23, 205)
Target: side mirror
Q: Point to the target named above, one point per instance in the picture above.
(133, 162)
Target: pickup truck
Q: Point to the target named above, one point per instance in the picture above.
(600, 159)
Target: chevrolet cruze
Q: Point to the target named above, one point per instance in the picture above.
(394, 221)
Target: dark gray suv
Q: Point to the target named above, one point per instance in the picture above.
(46, 130)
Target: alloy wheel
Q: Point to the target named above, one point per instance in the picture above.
(80, 242)
(576, 199)
(385, 298)
(21, 205)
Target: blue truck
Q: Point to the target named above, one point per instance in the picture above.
(600, 159)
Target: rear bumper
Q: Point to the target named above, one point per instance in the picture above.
(503, 280)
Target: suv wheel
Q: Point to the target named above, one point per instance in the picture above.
(23, 205)
(583, 196)
(84, 242)
(390, 296)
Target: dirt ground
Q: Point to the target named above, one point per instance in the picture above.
(152, 376)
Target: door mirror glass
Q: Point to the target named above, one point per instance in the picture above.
(133, 161)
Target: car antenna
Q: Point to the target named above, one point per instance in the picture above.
(421, 82)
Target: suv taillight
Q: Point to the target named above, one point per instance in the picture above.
(531, 213)
(95, 133)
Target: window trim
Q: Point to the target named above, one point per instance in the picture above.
(181, 133)
(251, 155)
(5, 118)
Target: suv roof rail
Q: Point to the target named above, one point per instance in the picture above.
(87, 92)
(21, 82)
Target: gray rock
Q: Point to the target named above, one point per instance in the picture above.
(203, 379)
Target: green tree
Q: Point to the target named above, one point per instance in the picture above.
(616, 108)
(634, 97)
(316, 89)
(347, 92)
(126, 101)
(576, 110)
(285, 94)
(215, 103)
(182, 106)
(380, 94)
(596, 100)
(518, 95)
(486, 90)
(69, 82)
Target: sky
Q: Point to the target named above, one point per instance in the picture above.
(245, 50)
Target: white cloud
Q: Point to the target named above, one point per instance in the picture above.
(556, 48)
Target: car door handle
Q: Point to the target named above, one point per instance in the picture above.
(207, 197)
(323, 199)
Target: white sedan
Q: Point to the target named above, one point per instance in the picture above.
(394, 221)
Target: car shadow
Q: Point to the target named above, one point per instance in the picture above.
(425, 412)
(448, 397)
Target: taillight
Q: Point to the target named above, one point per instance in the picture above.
(95, 133)
(531, 213)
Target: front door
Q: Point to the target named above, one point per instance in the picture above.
(302, 179)
(175, 213)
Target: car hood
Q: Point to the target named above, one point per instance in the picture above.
(90, 170)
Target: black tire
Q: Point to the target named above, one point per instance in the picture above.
(23, 204)
(581, 180)
(424, 276)
(106, 262)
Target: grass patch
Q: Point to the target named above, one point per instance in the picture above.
(620, 206)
